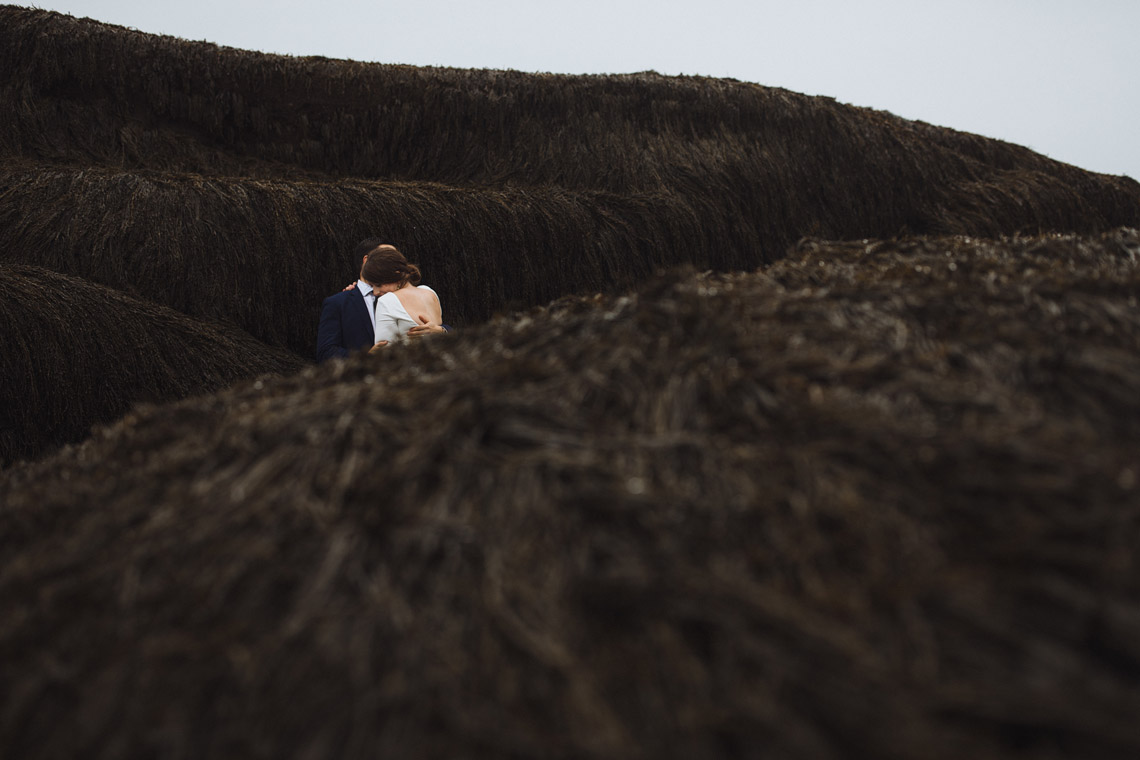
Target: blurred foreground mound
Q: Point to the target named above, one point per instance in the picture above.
(880, 500)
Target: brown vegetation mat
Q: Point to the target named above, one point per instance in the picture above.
(882, 500)
(264, 253)
(74, 354)
(234, 185)
(156, 102)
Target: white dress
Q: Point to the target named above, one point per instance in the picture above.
(392, 320)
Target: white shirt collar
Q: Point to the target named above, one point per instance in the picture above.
(365, 288)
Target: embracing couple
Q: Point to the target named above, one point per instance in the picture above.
(386, 304)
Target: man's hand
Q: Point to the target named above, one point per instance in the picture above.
(425, 327)
(379, 346)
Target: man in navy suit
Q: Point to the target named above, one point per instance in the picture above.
(347, 318)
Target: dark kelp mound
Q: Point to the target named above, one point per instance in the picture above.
(511, 188)
(146, 101)
(264, 253)
(880, 501)
(73, 354)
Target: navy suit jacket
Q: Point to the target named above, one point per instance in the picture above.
(345, 325)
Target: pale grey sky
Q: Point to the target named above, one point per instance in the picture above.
(1061, 77)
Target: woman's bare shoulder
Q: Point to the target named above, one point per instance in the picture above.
(418, 298)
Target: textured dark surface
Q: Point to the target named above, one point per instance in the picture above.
(877, 498)
(881, 499)
(139, 161)
(74, 354)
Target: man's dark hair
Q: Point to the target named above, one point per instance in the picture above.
(367, 246)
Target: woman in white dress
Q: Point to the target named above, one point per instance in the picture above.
(400, 304)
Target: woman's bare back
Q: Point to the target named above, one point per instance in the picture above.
(421, 303)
